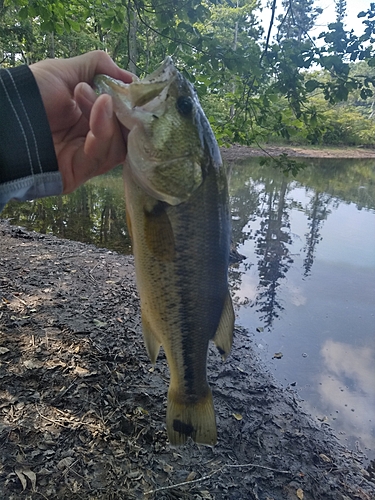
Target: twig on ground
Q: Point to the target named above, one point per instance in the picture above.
(208, 476)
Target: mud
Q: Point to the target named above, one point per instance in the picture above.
(82, 411)
(238, 152)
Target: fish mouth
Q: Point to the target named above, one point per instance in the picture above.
(140, 93)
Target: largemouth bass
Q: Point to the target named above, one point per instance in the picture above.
(178, 217)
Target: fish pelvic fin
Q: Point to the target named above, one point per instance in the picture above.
(224, 333)
(151, 342)
(159, 232)
(191, 419)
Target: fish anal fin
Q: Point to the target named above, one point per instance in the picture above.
(224, 333)
(151, 342)
(191, 419)
(129, 224)
(159, 232)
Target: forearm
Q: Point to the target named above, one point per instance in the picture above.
(28, 165)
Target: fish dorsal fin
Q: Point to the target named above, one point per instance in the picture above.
(159, 232)
(152, 343)
(224, 333)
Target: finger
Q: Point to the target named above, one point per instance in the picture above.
(102, 148)
(85, 97)
(102, 118)
(105, 143)
(96, 62)
(101, 112)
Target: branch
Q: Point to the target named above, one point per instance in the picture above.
(208, 476)
(269, 30)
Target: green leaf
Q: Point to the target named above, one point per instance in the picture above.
(75, 26)
(311, 85)
(47, 26)
(117, 27)
(23, 13)
(107, 22)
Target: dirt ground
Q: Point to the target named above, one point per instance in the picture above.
(238, 152)
(82, 412)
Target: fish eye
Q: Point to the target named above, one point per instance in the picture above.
(184, 105)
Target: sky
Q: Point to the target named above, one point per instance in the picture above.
(353, 7)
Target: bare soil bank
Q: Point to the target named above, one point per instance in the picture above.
(237, 152)
(82, 412)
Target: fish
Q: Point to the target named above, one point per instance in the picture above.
(177, 209)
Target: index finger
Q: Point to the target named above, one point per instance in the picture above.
(97, 62)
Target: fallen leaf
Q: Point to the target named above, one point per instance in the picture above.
(24, 472)
(205, 494)
(81, 372)
(65, 463)
(21, 477)
(141, 411)
(99, 324)
(136, 475)
(324, 457)
(277, 355)
(32, 476)
(191, 476)
(32, 364)
(4, 350)
(237, 416)
(300, 493)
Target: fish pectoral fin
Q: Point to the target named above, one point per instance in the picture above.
(159, 232)
(152, 343)
(224, 333)
(195, 420)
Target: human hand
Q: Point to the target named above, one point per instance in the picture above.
(87, 137)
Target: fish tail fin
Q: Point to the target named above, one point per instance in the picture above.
(195, 419)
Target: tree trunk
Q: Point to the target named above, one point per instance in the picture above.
(132, 38)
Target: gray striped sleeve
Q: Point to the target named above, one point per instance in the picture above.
(28, 164)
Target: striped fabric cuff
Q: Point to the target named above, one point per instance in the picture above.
(26, 146)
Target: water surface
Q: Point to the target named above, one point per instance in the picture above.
(306, 290)
(307, 287)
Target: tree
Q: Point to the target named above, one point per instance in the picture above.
(252, 88)
(340, 7)
(299, 18)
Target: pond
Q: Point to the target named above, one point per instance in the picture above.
(306, 290)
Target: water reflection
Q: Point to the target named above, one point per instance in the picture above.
(347, 388)
(307, 287)
(262, 205)
(271, 245)
(95, 213)
(317, 212)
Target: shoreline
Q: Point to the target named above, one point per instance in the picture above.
(238, 152)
